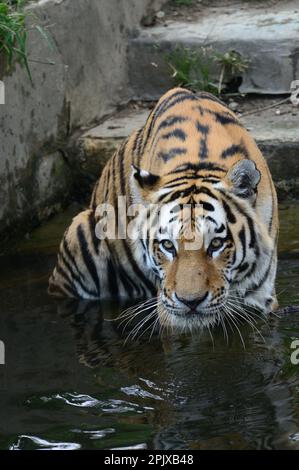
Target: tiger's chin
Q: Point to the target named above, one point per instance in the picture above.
(187, 321)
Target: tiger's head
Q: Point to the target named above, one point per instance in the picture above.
(202, 239)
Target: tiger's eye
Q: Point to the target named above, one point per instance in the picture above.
(215, 244)
(168, 245)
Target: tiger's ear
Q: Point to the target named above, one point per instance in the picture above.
(244, 178)
(144, 178)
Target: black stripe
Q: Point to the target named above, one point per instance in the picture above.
(71, 264)
(242, 238)
(74, 276)
(199, 108)
(55, 289)
(166, 156)
(252, 232)
(112, 279)
(127, 282)
(139, 146)
(121, 160)
(68, 286)
(176, 98)
(272, 207)
(92, 228)
(177, 133)
(208, 217)
(220, 229)
(213, 180)
(207, 206)
(176, 194)
(207, 191)
(139, 274)
(208, 96)
(159, 110)
(137, 136)
(229, 214)
(181, 181)
(203, 149)
(253, 240)
(256, 286)
(107, 185)
(88, 260)
(252, 269)
(197, 167)
(170, 121)
(224, 118)
(113, 188)
(242, 267)
(233, 150)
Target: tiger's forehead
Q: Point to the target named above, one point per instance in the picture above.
(193, 217)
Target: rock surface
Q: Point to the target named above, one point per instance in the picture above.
(79, 76)
(268, 37)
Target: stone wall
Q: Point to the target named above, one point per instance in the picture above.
(81, 78)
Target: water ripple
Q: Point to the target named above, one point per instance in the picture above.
(95, 435)
(32, 442)
(137, 391)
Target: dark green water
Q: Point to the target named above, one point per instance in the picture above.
(70, 382)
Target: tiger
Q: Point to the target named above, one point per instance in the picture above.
(192, 152)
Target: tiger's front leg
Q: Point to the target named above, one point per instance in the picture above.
(80, 262)
(92, 268)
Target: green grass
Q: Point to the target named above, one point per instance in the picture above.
(180, 3)
(13, 33)
(195, 69)
(192, 69)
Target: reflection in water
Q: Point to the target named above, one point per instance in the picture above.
(72, 381)
(201, 389)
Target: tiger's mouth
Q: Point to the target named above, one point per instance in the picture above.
(188, 317)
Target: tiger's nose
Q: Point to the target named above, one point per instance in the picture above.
(193, 303)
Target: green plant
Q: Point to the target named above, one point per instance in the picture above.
(192, 69)
(232, 64)
(13, 33)
(183, 2)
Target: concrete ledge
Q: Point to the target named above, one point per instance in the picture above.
(269, 39)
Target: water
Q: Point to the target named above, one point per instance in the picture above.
(70, 382)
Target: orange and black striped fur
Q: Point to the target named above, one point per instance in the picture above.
(192, 150)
